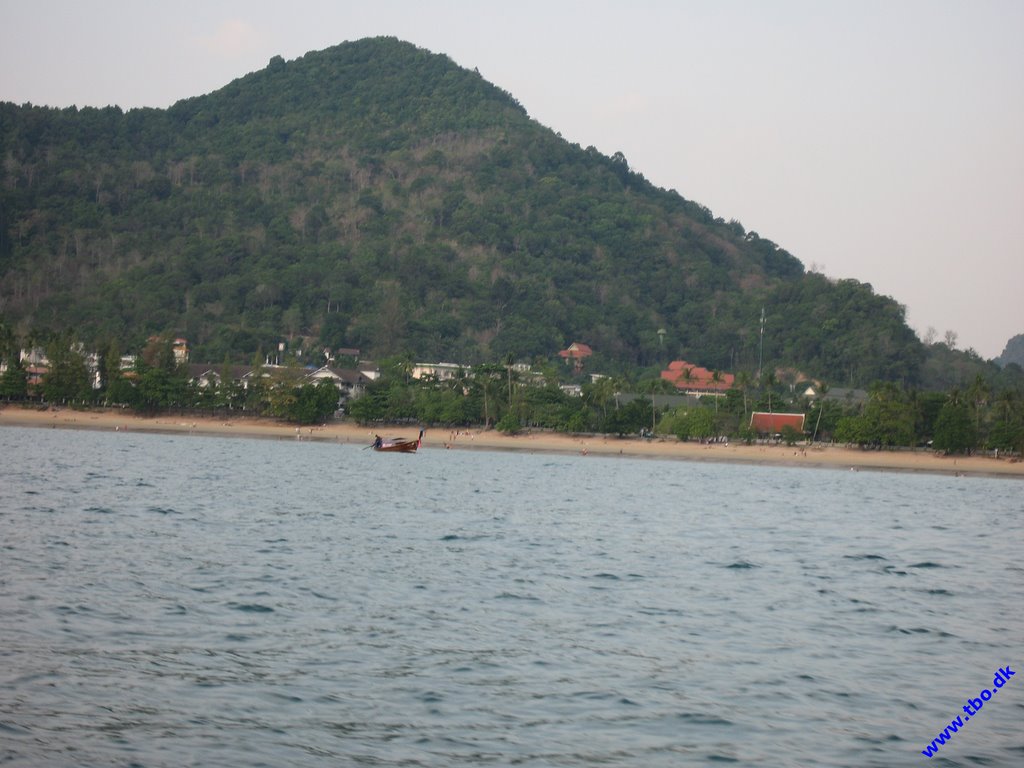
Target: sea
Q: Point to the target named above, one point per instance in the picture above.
(175, 600)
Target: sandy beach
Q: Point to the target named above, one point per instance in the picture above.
(476, 439)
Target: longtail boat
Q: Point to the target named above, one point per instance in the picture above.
(397, 444)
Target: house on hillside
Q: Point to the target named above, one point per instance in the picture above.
(347, 354)
(697, 380)
(179, 347)
(349, 383)
(207, 376)
(575, 354)
(438, 371)
(772, 424)
(36, 365)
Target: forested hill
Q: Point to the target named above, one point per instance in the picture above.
(376, 195)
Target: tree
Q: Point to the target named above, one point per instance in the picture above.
(257, 393)
(769, 381)
(509, 360)
(1007, 432)
(690, 422)
(744, 381)
(979, 395)
(954, 429)
(157, 389)
(702, 423)
(822, 391)
(67, 378)
(509, 423)
(928, 407)
(790, 435)
(111, 367)
(716, 378)
(599, 394)
(8, 341)
(312, 403)
(887, 419)
(14, 382)
(159, 353)
(852, 429)
(631, 418)
(485, 380)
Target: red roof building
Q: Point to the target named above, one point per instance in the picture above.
(774, 423)
(576, 353)
(694, 378)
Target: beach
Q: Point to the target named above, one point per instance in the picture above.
(668, 448)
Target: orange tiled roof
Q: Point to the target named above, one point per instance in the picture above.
(699, 378)
(773, 423)
(576, 350)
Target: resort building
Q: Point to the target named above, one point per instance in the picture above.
(696, 380)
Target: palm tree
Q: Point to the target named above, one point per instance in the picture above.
(716, 379)
(509, 359)
(1007, 402)
(688, 376)
(743, 381)
(484, 376)
(601, 392)
(980, 393)
(955, 397)
(822, 391)
(768, 381)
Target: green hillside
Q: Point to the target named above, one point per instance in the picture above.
(376, 195)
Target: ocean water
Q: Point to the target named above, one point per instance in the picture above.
(173, 601)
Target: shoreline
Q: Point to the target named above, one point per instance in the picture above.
(817, 456)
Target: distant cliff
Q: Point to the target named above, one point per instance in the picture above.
(1013, 352)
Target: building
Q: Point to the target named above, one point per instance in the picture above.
(575, 354)
(697, 380)
(438, 371)
(36, 365)
(772, 424)
(350, 383)
(180, 349)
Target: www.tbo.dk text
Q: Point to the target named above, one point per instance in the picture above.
(972, 707)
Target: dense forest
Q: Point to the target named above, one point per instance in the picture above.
(377, 196)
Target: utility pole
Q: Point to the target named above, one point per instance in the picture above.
(760, 353)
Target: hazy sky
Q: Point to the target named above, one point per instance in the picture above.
(876, 139)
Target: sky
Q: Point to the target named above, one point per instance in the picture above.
(880, 140)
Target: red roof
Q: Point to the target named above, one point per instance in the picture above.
(773, 423)
(576, 350)
(697, 378)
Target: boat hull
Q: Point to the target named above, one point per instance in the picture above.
(397, 445)
(408, 446)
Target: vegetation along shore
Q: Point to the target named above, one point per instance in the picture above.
(669, 448)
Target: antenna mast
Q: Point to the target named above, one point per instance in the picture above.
(760, 353)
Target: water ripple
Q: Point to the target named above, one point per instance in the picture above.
(174, 602)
